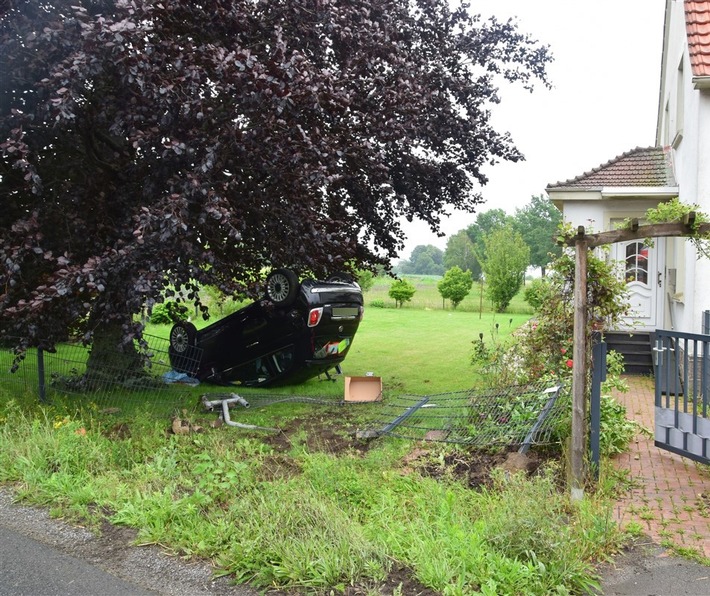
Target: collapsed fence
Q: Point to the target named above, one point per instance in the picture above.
(508, 416)
(514, 416)
(518, 416)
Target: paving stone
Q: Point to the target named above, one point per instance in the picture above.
(670, 485)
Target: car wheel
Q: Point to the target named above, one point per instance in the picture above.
(182, 350)
(282, 287)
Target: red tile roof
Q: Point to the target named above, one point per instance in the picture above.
(697, 26)
(650, 166)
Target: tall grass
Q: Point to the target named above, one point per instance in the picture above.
(323, 522)
(286, 511)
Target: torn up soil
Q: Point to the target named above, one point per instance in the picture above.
(474, 467)
(319, 434)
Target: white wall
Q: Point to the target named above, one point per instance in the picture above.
(691, 156)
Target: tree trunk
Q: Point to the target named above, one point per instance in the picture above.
(110, 360)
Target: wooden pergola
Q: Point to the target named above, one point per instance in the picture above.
(582, 242)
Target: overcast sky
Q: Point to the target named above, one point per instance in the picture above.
(604, 100)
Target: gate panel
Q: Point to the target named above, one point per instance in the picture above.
(682, 415)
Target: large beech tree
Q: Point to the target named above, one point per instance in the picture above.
(155, 145)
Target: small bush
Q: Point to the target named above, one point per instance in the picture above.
(535, 293)
(378, 304)
(456, 285)
(168, 312)
(401, 291)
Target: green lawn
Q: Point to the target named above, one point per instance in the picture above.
(420, 348)
(423, 351)
(313, 508)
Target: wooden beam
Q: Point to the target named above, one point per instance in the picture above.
(664, 230)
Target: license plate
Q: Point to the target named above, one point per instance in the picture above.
(345, 312)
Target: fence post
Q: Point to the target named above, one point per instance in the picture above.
(598, 375)
(40, 374)
(579, 370)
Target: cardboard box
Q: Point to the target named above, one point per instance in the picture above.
(363, 389)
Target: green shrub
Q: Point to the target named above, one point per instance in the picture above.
(401, 291)
(506, 259)
(378, 304)
(617, 431)
(168, 312)
(456, 285)
(535, 293)
(366, 279)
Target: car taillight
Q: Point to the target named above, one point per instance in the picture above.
(362, 312)
(314, 316)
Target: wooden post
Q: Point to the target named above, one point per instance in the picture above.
(579, 357)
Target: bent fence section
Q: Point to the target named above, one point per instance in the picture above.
(518, 416)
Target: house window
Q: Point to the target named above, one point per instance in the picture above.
(636, 263)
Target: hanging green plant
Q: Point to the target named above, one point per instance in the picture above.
(675, 211)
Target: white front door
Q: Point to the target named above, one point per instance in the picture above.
(639, 264)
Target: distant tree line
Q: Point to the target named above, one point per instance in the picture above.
(535, 225)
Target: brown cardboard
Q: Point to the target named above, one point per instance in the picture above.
(363, 388)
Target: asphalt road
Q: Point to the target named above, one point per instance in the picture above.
(29, 567)
(650, 570)
(41, 556)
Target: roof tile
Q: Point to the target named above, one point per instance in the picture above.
(697, 27)
(650, 166)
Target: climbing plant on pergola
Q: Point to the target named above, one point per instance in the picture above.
(693, 225)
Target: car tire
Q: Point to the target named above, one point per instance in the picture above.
(182, 351)
(282, 287)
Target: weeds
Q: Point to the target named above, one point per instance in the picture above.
(335, 520)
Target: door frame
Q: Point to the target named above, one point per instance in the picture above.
(656, 284)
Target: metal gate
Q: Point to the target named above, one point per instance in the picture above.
(682, 413)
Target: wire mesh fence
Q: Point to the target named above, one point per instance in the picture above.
(512, 416)
(146, 375)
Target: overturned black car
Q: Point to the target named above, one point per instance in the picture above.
(298, 331)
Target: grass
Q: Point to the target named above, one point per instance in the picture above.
(427, 297)
(420, 351)
(414, 349)
(322, 523)
(290, 510)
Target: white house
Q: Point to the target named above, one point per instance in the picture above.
(669, 285)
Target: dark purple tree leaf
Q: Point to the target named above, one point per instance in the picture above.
(153, 144)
